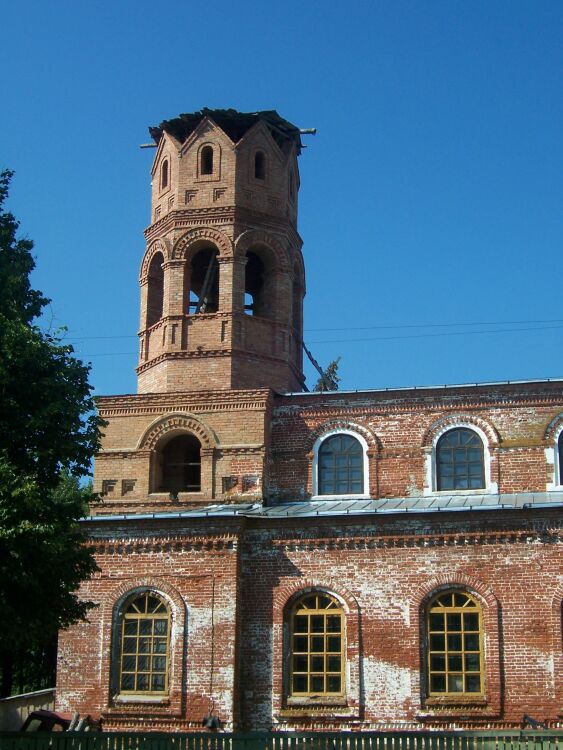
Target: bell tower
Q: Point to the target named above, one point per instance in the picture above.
(222, 279)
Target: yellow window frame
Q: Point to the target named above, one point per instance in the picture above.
(455, 654)
(144, 658)
(317, 647)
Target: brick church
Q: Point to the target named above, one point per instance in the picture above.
(271, 558)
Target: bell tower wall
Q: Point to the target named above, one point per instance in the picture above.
(222, 279)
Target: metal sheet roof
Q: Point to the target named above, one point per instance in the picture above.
(358, 507)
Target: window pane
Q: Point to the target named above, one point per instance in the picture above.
(438, 662)
(438, 683)
(473, 683)
(333, 624)
(472, 642)
(333, 643)
(436, 621)
(159, 663)
(317, 684)
(334, 684)
(437, 643)
(454, 663)
(470, 621)
(455, 683)
(300, 643)
(129, 645)
(472, 663)
(300, 624)
(299, 663)
(317, 664)
(333, 664)
(128, 664)
(142, 682)
(299, 683)
(454, 643)
(157, 683)
(127, 681)
(130, 627)
(317, 643)
(454, 622)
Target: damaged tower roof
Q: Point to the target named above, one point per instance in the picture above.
(234, 124)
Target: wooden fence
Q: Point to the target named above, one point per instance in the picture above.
(513, 740)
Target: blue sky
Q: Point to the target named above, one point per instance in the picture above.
(432, 195)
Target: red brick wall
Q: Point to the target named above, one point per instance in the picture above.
(229, 610)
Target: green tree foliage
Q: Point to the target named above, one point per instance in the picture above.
(329, 379)
(48, 435)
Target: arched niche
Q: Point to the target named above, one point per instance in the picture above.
(155, 289)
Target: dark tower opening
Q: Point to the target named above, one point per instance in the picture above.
(254, 303)
(260, 166)
(155, 292)
(164, 175)
(204, 283)
(207, 160)
(181, 465)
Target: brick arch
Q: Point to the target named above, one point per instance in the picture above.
(253, 237)
(111, 611)
(291, 591)
(157, 246)
(182, 247)
(451, 421)
(342, 424)
(553, 428)
(491, 620)
(422, 594)
(180, 422)
(120, 594)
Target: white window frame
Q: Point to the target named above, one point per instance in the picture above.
(431, 468)
(315, 478)
(552, 457)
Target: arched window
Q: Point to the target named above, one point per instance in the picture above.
(454, 645)
(460, 463)
(316, 647)
(164, 175)
(260, 165)
(340, 465)
(206, 166)
(181, 465)
(144, 657)
(254, 302)
(155, 290)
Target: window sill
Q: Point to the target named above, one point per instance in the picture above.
(144, 699)
(462, 700)
(481, 491)
(318, 498)
(313, 700)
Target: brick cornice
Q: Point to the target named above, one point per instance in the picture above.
(410, 403)
(401, 541)
(194, 401)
